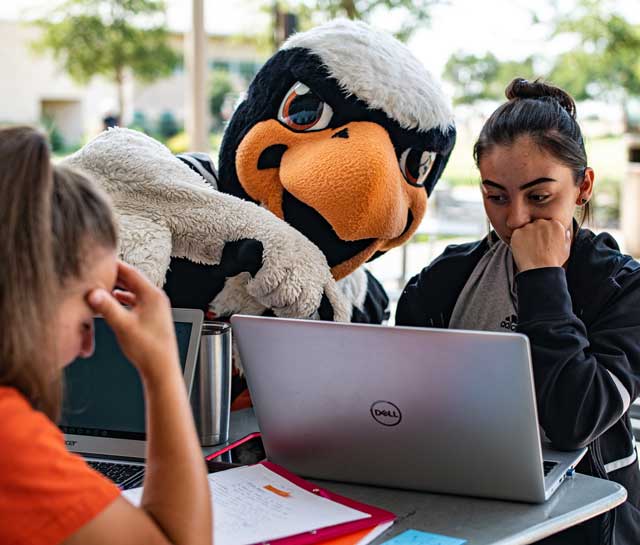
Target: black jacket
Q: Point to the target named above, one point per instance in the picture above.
(584, 330)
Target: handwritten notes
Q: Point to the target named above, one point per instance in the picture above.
(247, 510)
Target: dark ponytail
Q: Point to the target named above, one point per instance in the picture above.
(521, 88)
(546, 114)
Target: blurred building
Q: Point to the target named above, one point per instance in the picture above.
(35, 90)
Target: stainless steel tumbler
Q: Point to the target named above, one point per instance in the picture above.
(211, 393)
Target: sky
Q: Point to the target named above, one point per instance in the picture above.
(503, 27)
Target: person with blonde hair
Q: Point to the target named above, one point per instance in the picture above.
(58, 268)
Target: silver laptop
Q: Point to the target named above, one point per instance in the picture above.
(439, 410)
(103, 416)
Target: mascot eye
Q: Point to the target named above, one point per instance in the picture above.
(302, 110)
(416, 164)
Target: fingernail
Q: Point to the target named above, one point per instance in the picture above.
(96, 296)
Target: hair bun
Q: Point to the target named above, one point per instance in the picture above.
(522, 88)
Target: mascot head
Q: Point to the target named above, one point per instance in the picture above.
(343, 134)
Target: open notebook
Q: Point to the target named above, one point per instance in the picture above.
(263, 503)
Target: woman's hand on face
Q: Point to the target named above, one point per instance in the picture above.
(541, 243)
(145, 330)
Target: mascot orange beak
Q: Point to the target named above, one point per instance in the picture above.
(350, 175)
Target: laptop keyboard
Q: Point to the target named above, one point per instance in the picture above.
(124, 475)
(548, 466)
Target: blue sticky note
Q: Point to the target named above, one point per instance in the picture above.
(415, 537)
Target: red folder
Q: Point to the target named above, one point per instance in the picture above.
(378, 516)
(349, 539)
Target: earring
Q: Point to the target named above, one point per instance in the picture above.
(583, 201)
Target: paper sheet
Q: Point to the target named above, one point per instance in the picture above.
(254, 505)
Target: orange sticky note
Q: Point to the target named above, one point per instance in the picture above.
(277, 491)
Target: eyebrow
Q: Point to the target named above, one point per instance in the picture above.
(523, 186)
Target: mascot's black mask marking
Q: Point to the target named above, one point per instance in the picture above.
(271, 156)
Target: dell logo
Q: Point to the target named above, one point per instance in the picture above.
(70, 443)
(386, 413)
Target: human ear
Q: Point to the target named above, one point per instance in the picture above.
(586, 186)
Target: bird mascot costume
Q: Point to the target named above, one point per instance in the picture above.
(326, 164)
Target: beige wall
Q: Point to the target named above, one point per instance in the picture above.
(29, 81)
(67, 116)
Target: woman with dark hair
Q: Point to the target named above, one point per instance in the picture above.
(58, 268)
(572, 292)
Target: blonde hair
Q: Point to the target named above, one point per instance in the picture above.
(81, 219)
(51, 217)
(27, 279)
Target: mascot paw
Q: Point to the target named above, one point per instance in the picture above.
(334, 307)
(295, 280)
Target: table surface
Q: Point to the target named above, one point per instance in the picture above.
(478, 521)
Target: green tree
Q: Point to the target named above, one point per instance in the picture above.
(108, 38)
(483, 77)
(167, 125)
(412, 14)
(56, 140)
(221, 86)
(607, 57)
(139, 122)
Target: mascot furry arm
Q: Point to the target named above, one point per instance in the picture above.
(165, 210)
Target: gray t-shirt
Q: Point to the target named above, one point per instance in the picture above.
(488, 301)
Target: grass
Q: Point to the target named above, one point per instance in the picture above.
(461, 170)
(608, 157)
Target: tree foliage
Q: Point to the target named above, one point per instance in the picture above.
(108, 37)
(607, 57)
(167, 125)
(483, 77)
(412, 14)
(221, 86)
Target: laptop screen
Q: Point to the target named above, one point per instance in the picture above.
(103, 395)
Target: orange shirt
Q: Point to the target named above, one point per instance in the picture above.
(46, 493)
